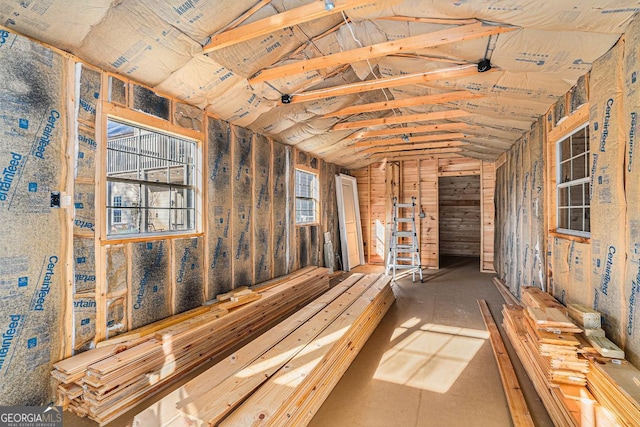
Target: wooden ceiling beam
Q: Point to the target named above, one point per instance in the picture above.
(435, 99)
(408, 129)
(407, 44)
(289, 18)
(416, 153)
(386, 83)
(444, 21)
(410, 140)
(409, 118)
(407, 147)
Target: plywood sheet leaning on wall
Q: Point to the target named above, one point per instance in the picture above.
(631, 320)
(607, 189)
(242, 208)
(219, 198)
(279, 183)
(262, 206)
(189, 278)
(150, 282)
(32, 272)
(330, 210)
(362, 178)
(429, 205)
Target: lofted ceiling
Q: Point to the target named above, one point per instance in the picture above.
(363, 81)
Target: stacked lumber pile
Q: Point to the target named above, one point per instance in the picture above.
(559, 400)
(578, 386)
(283, 376)
(616, 386)
(106, 382)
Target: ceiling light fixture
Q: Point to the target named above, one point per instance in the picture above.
(328, 5)
(484, 65)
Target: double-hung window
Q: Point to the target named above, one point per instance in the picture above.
(151, 182)
(307, 194)
(573, 168)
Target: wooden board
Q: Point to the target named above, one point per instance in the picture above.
(517, 406)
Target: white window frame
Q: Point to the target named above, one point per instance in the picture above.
(172, 213)
(315, 196)
(573, 183)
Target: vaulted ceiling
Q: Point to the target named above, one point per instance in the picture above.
(352, 81)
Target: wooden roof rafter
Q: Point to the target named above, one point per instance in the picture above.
(410, 140)
(435, 99)
(407, 44)
(386, 83)
(289, 18)
(450, 126)
(409, 118)
(408, 147)
(416, 153)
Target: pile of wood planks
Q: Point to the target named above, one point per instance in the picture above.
(283, 376)
(106, 382)
(578, 386)
(616, 386)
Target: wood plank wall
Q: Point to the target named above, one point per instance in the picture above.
(459, 219)
(379, 182)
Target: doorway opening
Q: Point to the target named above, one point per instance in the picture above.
(459, 220)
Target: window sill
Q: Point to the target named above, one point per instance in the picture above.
(114, 240)
(559, 235)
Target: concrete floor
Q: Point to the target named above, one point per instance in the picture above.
(429, 362)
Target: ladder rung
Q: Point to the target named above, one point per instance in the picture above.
(406, 248)
(404, 220)
(404, 258)
(404, 234)
(402, 266)
(405, 205)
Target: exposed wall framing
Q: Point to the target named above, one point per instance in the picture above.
(418, 178)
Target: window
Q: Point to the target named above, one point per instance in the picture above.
(573, 184)
(151, 183)
(306, 197)
(117, 213)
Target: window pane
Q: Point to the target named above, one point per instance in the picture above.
(579, 142)
(563, 199)
(576, 219)
(563, 218)
(575, 195)
(565, 172)
(587, 220)
(579, 167)
(157, 196)
(585, 192)
(182, 219)
(565, 149)
(123, 220)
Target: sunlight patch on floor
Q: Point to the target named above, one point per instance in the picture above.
(430, 358)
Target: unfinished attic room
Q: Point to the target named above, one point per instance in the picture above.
(334, 213)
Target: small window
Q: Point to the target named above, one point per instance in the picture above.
(573, 183)
(306, 197)
(117, 213)
(151, 182)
